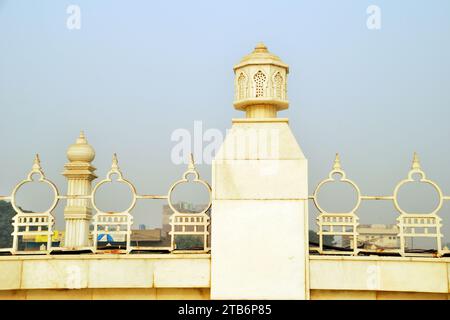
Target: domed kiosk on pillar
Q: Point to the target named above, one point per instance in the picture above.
(261, 84)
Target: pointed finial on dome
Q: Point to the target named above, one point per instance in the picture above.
(115, 162)
(191, 162)
(37, 163)
(81, 138)
(261, 47)
(416, 162)
(337, 163)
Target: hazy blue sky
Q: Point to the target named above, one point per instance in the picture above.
(138, 70)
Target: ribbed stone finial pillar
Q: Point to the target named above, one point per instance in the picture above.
(80, 174)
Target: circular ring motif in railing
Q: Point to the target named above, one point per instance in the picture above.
(37, 170)
(115, 170)
(332, 180)
(191, 171)
(109, 180)
(423, 179)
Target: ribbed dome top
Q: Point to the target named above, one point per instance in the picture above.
(81, 151)
(261, 55)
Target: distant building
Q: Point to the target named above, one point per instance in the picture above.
(142, 227)
(181, 207)
(139, 238)
(147, 238)
(35, 243)
(376, 236)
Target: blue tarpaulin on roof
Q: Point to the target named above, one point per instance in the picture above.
(105, 237)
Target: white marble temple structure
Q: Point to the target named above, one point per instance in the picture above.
(260, 188)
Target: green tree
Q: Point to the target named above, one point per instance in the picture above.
(327, 240)
(6, 214)
(188, 242)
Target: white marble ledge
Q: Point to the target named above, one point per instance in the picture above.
(378, 258)
(105, 271)
(90, 256)
(374, 273)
